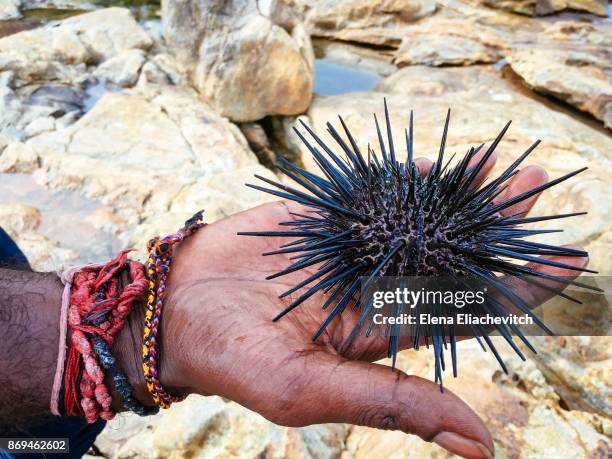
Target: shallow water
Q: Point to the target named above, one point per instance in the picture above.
(333, 78)
(94, 92)
(141, 9)
(63, 216)
(46, 15)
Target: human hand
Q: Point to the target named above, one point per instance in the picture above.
(218, 338)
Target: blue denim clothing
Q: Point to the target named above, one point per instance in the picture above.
(80, 434)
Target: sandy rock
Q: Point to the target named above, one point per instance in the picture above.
(19, 218)
(575, 74)
(123, 69)
(53, 53)
(521, 409)
(544, 7)
(462, 34)
(209, 427)
(438, 50)
(9, 9)
(579, 366)
(372, 22)
(18, 157)
(569, 60)
(216, 46)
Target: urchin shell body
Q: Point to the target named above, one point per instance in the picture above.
(376, 215)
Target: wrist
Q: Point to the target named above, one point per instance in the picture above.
(127, 350)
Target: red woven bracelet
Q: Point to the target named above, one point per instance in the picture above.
(97, 309)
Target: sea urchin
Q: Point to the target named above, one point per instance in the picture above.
(373, 216)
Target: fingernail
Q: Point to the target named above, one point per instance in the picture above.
(462, 446)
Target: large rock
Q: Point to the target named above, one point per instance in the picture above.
(482, 102)
(242, 63)
(462, 34)
(577, 76)
(571, 61)
(138, 163)
(543, 7)
(457, 33)
(373, 22)
(560, 57)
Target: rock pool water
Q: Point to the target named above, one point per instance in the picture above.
(332, 78)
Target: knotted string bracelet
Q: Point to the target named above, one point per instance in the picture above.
(158, 268)
(95, 310)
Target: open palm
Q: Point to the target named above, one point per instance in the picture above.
(219, 338)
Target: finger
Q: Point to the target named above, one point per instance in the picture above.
(424, 165)
(527, 179)
(373, 395)
(534, 295)
(486, 168)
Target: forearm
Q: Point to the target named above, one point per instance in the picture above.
(29, 334)
(30, 306)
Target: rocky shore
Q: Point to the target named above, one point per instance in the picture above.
(113, 129)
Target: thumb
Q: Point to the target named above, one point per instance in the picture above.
(373, 395)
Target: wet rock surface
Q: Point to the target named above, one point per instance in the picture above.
(123, 132)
